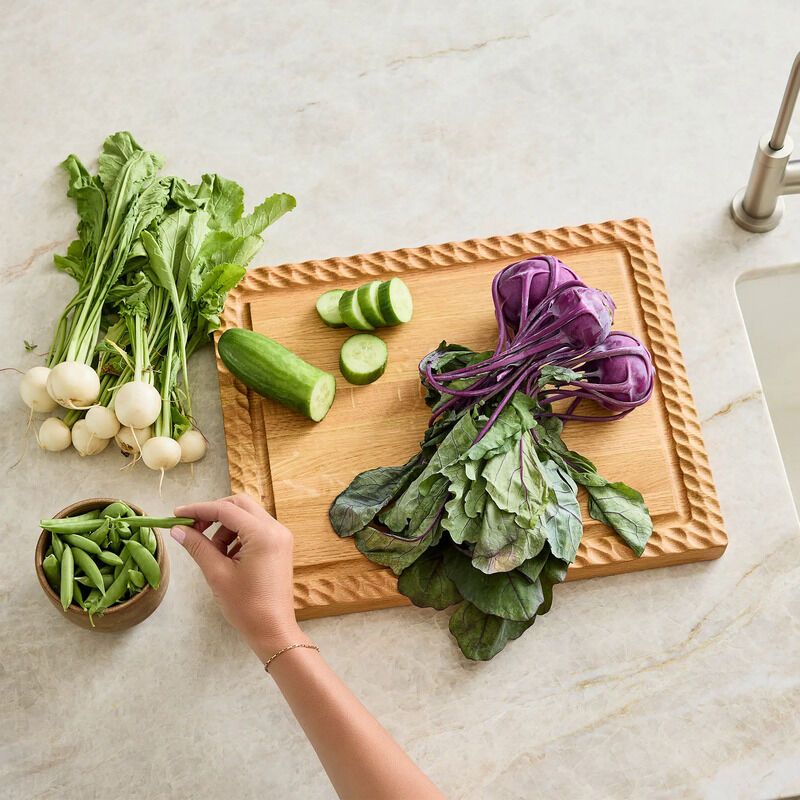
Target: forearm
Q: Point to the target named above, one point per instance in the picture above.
(361, 758)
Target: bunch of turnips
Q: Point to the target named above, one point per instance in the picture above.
(154, 260)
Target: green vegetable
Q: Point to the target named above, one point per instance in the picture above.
(395, 302)
(328, 308)
(351, 312)
(52, 571)
(110, 558)
(362, 359)
(146, 562)
(367, 297)
(275, 372)
(84, 561)
(82, 543)
(67, 576)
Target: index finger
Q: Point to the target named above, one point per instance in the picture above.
(231, 516)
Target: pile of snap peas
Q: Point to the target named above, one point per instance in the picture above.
(103, 557)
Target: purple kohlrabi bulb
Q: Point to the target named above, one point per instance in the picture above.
(526, 283)
(623, 362)
(587, 314)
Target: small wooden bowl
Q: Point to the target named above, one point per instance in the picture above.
(120, 616)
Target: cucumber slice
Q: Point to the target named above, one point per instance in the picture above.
(351, 312)
(328, 308)
(395, 302)
(273, 371)
(368, 303)
(363, 358)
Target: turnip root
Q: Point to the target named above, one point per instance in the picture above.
(54, 435)
(161, 453)
(102, 422)
(137, 404)
(193, 446)
(85, 442)
(73, 384)
(130, 440)
(33, 390)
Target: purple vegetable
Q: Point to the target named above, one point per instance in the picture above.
(584, 315)
(622, 368)
(522, 286)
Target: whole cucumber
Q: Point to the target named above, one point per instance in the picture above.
(270, 369)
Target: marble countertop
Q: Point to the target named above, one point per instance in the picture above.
(395, 125)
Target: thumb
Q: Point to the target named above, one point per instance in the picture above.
(199, 547)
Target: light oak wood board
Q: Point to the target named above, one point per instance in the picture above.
(297, 467)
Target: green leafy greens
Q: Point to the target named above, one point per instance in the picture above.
(489, 523)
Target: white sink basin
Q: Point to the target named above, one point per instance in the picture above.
(770, 304)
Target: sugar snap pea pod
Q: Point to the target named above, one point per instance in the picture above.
(69, 525)
(101, 534)
(49, 551)
(82, 543)
(113, 537)
(67, 577)
(117, 589)
(92, 598)
(77, 592)
(147, 564)
(105, 569)
(124, 530)
(118, 569)
(112, 559)
(118, 509)
(57, 545)
(108, 579)
(52, 571)
(82, 580)
(148, 539)
(136, 578)
(84, 561)
(95, 514)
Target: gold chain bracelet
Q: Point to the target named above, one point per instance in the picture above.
(284, 650)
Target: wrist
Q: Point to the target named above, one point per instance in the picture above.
(266, 645)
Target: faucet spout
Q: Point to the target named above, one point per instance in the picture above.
(759, 206)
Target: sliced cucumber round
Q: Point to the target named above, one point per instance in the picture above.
(351, 312)
(328, 308)
(395, 302)
(368, 303)
(363, 358)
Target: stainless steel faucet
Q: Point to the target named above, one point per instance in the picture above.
(758, 206)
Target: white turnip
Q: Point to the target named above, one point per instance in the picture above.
(137, 404)
(161, 453)
(54, 435)
(33, 390)
(102, 422)
(193, 446)
(73, 384)
(85, 442)
(130, 440)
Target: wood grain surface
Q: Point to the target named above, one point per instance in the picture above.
(296, 467)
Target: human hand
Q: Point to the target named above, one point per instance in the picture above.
(247, 563)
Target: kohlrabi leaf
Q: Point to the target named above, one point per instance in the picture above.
(482, 636)
(502, 544)
(550, 375)
(272, 209)
(425, 582)
(395, 552)
(553, 572)
(624, 510)
(561, 519)
(368, 493)
(511, 595)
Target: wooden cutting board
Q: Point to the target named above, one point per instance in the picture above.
(297, 467)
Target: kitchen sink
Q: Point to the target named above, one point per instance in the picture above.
(770, 304)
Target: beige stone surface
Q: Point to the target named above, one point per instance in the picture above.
(400, 124)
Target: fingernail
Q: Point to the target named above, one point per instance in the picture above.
(178, 534)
